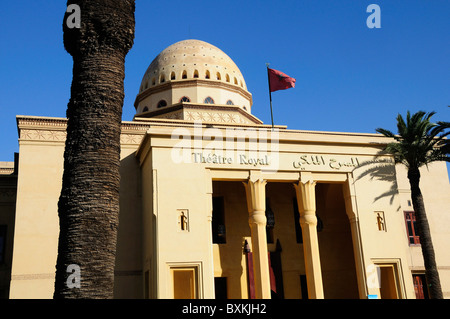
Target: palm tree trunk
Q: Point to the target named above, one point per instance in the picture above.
(431, 272)
(88, 207)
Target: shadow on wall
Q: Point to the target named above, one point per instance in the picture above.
(128, 270)
(380, 170)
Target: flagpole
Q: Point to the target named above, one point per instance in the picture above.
(270, 94)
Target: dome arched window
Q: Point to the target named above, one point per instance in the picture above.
(185, 99)
(145, 109)
(218, 76)
(172, 76)
(161, 103)
(196, 74)
(162, 79)
(229, 102)
(184, 75)
(207, 76)
(208, 100)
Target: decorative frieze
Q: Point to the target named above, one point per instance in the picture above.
(42, 135)
(131, 138)
(49, 129)
(206, 117)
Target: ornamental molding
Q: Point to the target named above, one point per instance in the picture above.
(33, 276)
(42, 135)
(230, 114)
(48, 129)
(217, 117)
(131, 138)
(176, 115)
(192, 83)
(205, 116)
(41, 122)
(6, 170)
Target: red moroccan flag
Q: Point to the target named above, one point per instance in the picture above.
(279, 81)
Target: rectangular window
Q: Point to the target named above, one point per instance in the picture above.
(411, 229)
(381, 221)
(388, 282)
(185, 284)
(389, 277)
(218, 221)
(420, 286)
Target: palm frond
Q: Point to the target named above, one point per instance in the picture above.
(444, 124)
(419, 141)
(385, 132)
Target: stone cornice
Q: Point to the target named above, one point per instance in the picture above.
(38, 128)
(53, 129)
(6, 170)
(41, 121)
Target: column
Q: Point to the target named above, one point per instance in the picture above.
(306, 199)
(351, 209)
(256, 202)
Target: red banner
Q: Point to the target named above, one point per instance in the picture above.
(279, 81)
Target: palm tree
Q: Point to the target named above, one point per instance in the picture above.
(418, 143)
(88, 206)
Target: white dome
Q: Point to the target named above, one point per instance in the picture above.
(195, 58)
(192, 71)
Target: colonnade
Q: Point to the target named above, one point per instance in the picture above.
(256, 203)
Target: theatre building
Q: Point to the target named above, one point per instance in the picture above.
(216, 204)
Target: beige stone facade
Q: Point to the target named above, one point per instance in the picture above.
(216, 204)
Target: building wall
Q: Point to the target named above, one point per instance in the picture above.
(36, 227)
(149, 214)
(128, 280)
(41, 150)
(374, 189)
(178, 189)
(435, 187)
(158, 194)
(376, 193)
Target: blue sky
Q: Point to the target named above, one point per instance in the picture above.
(349, 77)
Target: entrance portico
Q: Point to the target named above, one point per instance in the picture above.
(303, 185)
